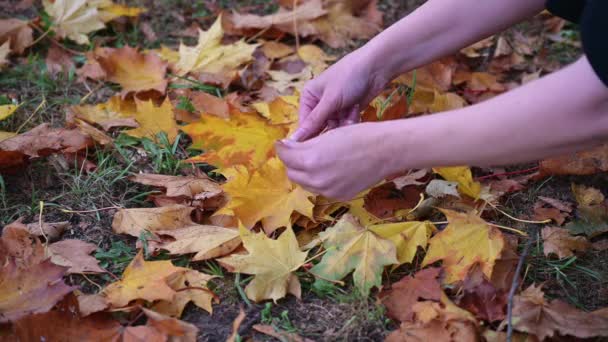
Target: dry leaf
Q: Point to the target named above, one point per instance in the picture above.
(410, 179)
(273, 262)
(18, 33)
(462, 175)
(207, 242)
(5, 49)
(59, 61)
(142, 279)
(116, 112)
(407, 237)
(266, 195)
(350, 247)
(559, 241)
(279, 334)
(282, 110)
(154, 120)
(74, 254)
(482, 298)
(136, 221)
(199, 187)
(244, 139)
(52, 231)
(403, 294)
(467, 240)
(190, 286)
(581, 163)
(73, 19)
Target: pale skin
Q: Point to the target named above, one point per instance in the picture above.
(564, 112)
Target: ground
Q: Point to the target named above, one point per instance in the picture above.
(89, 200)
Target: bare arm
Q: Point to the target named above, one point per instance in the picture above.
(441, 27)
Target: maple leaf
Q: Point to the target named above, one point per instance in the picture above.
(265, 195)
(315, 57)
(28, 283)
(190, 286)
(74, 254)
(464, 177)
(109, 11)
(482, 298)
(5, 49)
(282, 20)
(559, 241)
(7, 110)
(135, 72)
(17, 33)
(153, 120)
(161, 328)
(580, 163)
(116, 112)
(533, 314)
(135, 221)
(142, 279)
(282, 110)
(407, 237)
(592, 212)
(350, 247)
(73, 19)
(433, 321)
(467, 240)
(403, 294)
(283, 81)
(201, 103)
(244, 139)
(198, 187)
(541, 213)
(206, 241)
(65, 323)
(59, 61)
(273, 262)
(210, 56)
(51, 231)
(276, 50)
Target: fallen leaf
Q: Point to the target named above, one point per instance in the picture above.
(482, 298)
(59, 61)
(18, 33)
(109, 11)
(385, 201)
(52, 231)
(64, 323)
(91, 303)
(467, 240)
(410, 179)
(276, 50)
(279, 111)
(198, 187)
(142, 279)
(587, 196)
(266, 195)
(559, 241)
(135, 72)
(561, 205)
(282, 20)
(581, 163)
(74, 254)
(315, 57)
(210, 56)
(464, 177)
(244, 139)
(236, 324)
(273, 262)
(407, 237)
(73, 19)
(116, 112)
(535, 315)
(207, 242)
(438, 188)
(154, 120)
(5, 49)
(190, 286)
(136, 221)
(541, 213)
(592, 212)
(402, 295)
(285, 82)
(35, 289)
(350, 247)
(279, 334)
(472, 51)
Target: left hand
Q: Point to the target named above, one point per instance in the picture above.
(339, 163)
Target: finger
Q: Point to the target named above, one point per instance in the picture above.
(308, 100)
(316, 120)
(331, 124)
(353, 117)
(290, 154)
(302, 179)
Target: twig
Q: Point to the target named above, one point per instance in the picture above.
(46, 239)
(295, 25)
(515, 218)
(512, 173)
(42, 103)
(92, 282)
(54, 41)
(515, 285)
(87, 211)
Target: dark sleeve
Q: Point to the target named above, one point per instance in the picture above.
(594, 27)
(571, 10)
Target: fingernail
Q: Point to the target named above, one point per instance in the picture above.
(296, 136)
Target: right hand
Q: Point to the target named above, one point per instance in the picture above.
(336, 97)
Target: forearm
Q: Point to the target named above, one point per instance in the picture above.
(560, 113)
(441, 27)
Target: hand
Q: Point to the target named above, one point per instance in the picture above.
(340, 163)
(335, 97)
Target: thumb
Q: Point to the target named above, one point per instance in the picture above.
(316, 120)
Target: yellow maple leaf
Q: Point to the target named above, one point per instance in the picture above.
(210, 56)
(206, 241)
(134, 71)
(357, 209)
(265, 195)
(464, 177)
(243, 139)
(73, 18)
(315, 57)
(280, 111)
(7, 110)
(153, 120)
(191, 286)
(350, 246)
(407, 237)
(143, 280)
(467, 240)
(273, 262)
(109, 11)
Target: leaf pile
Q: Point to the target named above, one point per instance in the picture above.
(234, 93)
